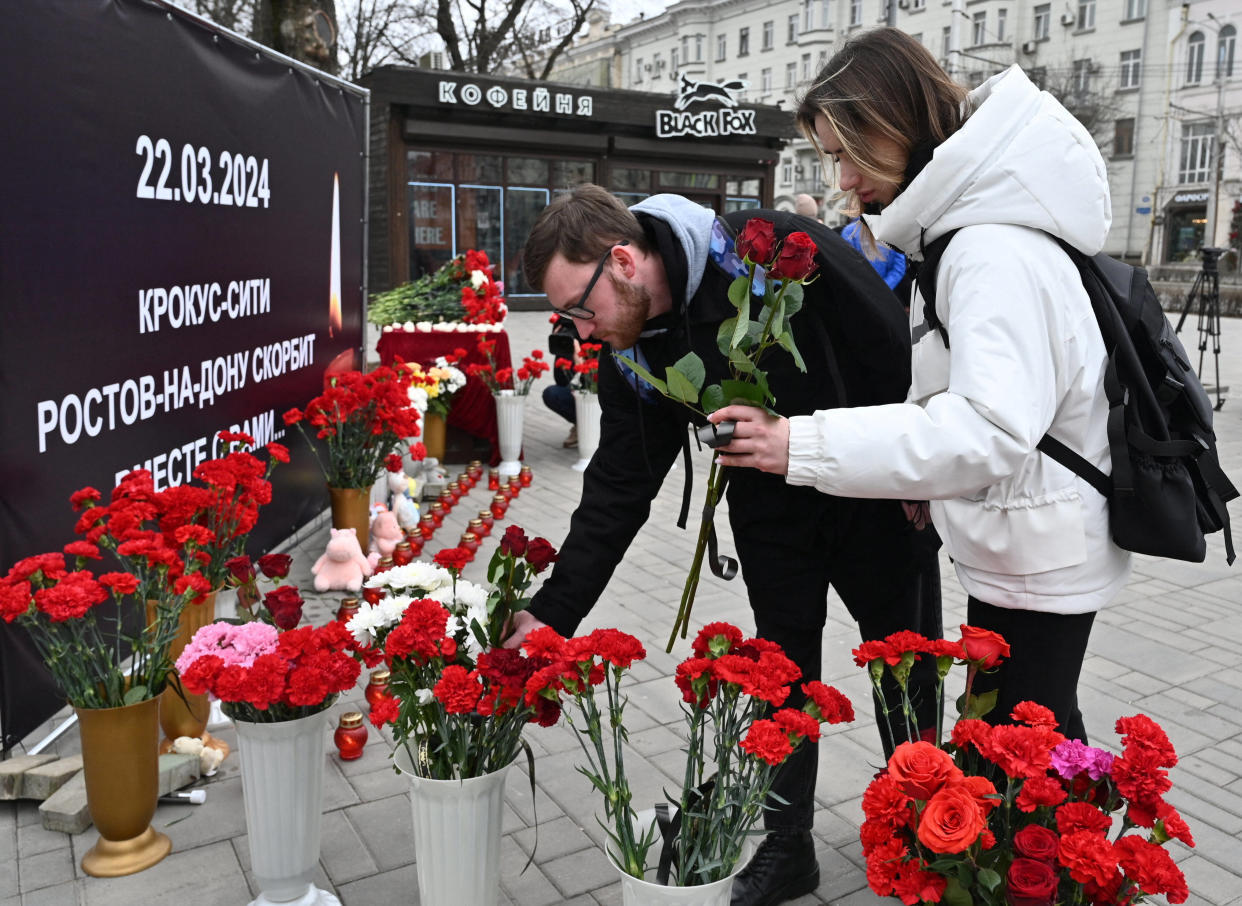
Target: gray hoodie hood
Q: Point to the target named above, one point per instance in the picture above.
(691, 223)
(1020, 158)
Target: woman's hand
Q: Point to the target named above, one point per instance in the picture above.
(760, 441)
(521, 623)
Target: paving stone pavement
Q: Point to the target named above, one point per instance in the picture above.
(1170, 647)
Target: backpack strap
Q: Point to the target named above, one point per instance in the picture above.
(1219, 489)
(925, 277)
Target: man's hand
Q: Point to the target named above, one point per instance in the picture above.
(523, 622)
(760, 441)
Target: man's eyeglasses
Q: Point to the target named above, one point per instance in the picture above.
(579, 310)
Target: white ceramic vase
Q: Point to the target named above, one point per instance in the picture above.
(586, 419)
(510, 408)
(282, 782)
(640, 892)
(457, 826)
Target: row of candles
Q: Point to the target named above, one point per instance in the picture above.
(351, 733)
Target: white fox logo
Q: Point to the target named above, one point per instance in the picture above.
(691, 91)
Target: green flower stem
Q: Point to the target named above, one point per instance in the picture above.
(682, 623)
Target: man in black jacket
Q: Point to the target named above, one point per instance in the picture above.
(652, 283)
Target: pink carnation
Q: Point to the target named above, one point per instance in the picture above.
(234, 645)
(1073, 757)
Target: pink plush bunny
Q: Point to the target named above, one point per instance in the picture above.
(342, 567)
(385, 531)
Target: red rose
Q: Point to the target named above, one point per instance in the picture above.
(540, 554)
(797, 258)
(757, 241)
(951, 821)
(983, 648)
(275, 566)
(1031, 882)
(1035, 842)
(921, 769)
(285, 606)
(514, 542)
(240, 569)
(453, 558)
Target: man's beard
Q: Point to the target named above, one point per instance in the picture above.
(632, 308)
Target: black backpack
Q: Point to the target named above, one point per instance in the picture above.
(1167, 489)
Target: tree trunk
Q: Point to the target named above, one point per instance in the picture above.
(305, 30)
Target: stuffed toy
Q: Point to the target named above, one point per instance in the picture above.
(404, 492)
(342, 567)
(385, 531)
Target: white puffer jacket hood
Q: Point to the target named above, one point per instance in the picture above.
(1019, 159)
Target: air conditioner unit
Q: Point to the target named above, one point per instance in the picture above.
(903, 4)
(647, 67)
(1030, 46)
(659, 64)
(1068, 19)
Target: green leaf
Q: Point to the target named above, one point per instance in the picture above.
(761, 381)
(793, 299)
(740, 362)
(642, 373)
(741, 391)
(989, 879)
(786, 342)
(956, 895)
(712, 398)
(740, 329)
(979, 705)
(739, 292)
(680, 387)
(724, 335)
(135, 694)
(691, 366)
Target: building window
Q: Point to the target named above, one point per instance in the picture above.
(1043, 18)
(744, 79)
(674, 61)
(1123, 138)
(1194, 58)
(743, 42)
(791, 30)
(1080, 80)
(806, 67)
(638, 70)
(1196, 159)
(786, 172)
(808, 17)
(1038, 76)
(1224, 51)
(855, 12)
(1001, 16)
(1135, 9)
(1131, 68)
(722, 47)
(824, 14)
(698, 48)
(944, 42)
(978, 28)
(822, 61)
(1086, 14)
(791, 76)
(656, 65)
(769, 33)
(765, 80)
(919, 4)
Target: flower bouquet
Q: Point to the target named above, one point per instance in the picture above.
(432, 389)
(584, 367)
(767, 292)
(282, 604)
(457, 703)
(500, 380)
(461, 291)
(1015, 813)
(732, 754)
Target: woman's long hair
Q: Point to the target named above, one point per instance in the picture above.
(882, 84)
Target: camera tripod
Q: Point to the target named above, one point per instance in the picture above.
(1205, 291)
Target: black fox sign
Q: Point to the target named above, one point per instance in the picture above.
(691, 91)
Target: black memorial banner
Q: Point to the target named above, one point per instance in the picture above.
(181, 248)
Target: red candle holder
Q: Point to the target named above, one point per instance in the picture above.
(525, 477)
(402, 554)
(385, 564)
(416, 545)
(465, 481)
(475, 527)
(454, 491)
(350, 736)
(445, 501)
(500, 503)
(475, 470)
(349, 607)
(470, 542)
(377, 687)
(488, 520)
(372, 595)
(493, 479)
(515, 486)
(437, 514)
(426, 526)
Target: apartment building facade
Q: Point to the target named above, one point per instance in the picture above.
(1158, 84)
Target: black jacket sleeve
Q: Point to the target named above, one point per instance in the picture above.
(638, 443)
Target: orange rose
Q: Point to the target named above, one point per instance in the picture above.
(920, 769)
(951, 821)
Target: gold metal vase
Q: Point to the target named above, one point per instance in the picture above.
(434, 433)
(351, 508)
(182, 714)
(121, 767)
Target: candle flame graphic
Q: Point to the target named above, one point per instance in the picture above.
(334, 279)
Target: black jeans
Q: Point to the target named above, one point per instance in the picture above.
(1046, 651)
(888, 577)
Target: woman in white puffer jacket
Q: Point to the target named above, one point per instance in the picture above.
(1009, 168)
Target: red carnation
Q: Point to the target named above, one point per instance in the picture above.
(386, 710)
(393, 463)
(1088, 856)
(453, 558)
(716, 639)
(120, 583)
(767, 741)
(83, 549)
(832, 705)
(84, 496)
(459, 689)
(278, 452)
(1039, 791)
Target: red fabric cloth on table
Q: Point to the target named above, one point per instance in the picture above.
(473, 409)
